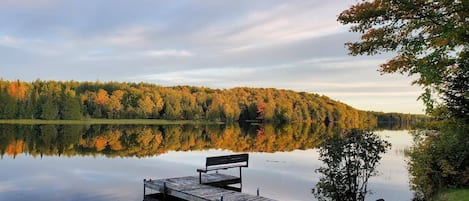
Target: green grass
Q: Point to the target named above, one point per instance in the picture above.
(103, 121)
(453, 195)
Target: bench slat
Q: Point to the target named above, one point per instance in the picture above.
(220, 160)
(220, 167)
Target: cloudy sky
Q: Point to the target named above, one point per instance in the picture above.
(295, 45)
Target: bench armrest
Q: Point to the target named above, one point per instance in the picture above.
(204, 170)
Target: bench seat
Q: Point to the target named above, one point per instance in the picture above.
(222, 163)
(221, 167)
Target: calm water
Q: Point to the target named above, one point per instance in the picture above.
(104, 162)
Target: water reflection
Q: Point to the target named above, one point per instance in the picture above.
(350, 159)
(107, 162)
(150, 140)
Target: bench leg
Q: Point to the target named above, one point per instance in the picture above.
(240, 178)
(144, 187)
(240, 175)
(200, 177)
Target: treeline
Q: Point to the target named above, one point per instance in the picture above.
(395, 121)
(113, 100)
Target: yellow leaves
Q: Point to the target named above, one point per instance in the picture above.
(158, 102)
(85, 96)
(114, 139)
(118, 94)
(144, 137)
(438, 42)
(114, 102)
(146, 105)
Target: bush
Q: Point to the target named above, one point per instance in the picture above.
(440, 158)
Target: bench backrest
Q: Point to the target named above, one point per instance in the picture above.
(222, 160)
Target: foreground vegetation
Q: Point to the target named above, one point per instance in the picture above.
(453, 195)
(430, 42)
(349, 160)
(440, 158)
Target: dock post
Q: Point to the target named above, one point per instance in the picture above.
(144, 180)
(240, 179)
(164, 190)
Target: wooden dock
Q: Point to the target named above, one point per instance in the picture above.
(188, 188)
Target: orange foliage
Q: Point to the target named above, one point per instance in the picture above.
(102, 97)
(260, 109)
(17, 90)
(100, 143)
(116, 146)
(15, 148)
(10, 150)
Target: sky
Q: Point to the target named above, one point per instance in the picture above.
(296, 45)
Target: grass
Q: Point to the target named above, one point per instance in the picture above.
(103, 121)
(453, 195)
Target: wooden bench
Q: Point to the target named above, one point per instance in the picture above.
(222, 163)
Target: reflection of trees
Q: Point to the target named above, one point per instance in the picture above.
(350, 159)
(149, 140)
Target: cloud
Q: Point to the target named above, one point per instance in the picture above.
(5, 187)
(9, 41)
(296, 45)
(126, 36)
(27, 3)
(201, 77)
(279, 24)
(167, 53)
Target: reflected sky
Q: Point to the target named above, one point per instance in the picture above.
(285, 175)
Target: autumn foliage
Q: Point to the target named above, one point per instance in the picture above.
(112, 100)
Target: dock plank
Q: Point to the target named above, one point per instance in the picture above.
(188, 188)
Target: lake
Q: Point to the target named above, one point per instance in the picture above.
(109, 162)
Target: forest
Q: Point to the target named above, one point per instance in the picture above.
(51, 100)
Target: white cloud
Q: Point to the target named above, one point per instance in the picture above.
(373, 94)
(196, 77)
(283, 23)
(9, 41)
(28, 3)
(127, 36)
(167, 53)
(4, 187)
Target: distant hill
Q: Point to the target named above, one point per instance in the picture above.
(115, 100)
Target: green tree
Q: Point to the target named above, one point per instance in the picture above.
(71, 107)
(49, 109)
(440, 159)
(350, 160)
(8, 106)
(430, 39)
